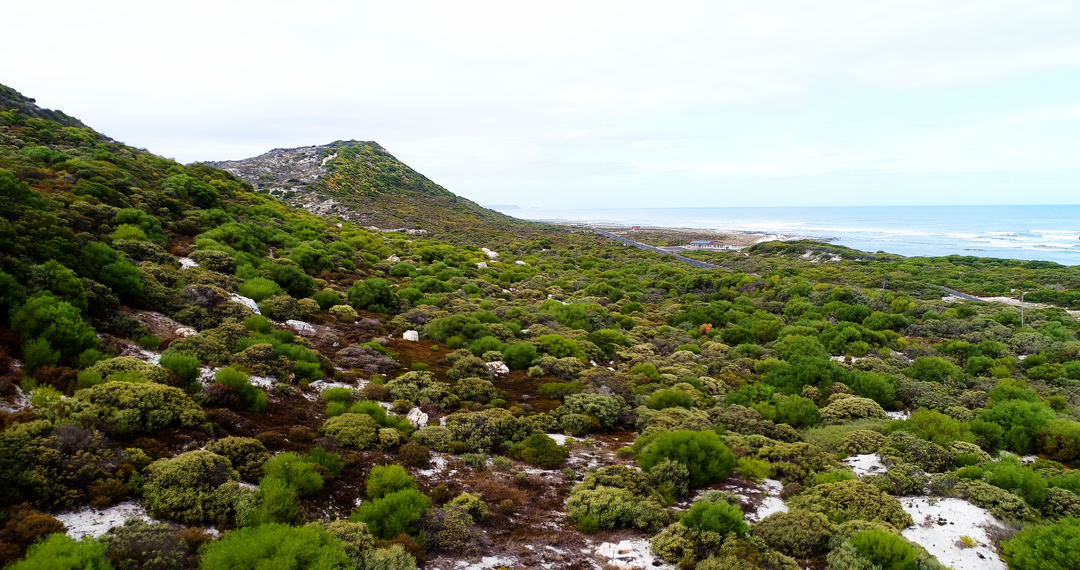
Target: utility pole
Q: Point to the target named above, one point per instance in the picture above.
(1022, 293)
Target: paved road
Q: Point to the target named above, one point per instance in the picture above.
(639, 245)
(956, 293)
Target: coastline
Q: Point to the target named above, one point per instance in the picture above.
(674, 238)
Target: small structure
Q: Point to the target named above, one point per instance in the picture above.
(701, 244)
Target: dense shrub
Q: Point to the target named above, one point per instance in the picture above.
(46, 317)
(296, 470)
(519, 356)
(1001, 503)
(1049, 547)
(356, 431)
(888, 551)
(123, 408)
(796, 533)
(616, 497)
(276, 545)
(720, 518)
(373, 295)
(194, 487)
(246, 455)
(852, 500)
(540, 450)
(184, 365)
(603, 409)
(386, 479)
(471, 504)
(476, 389)
(61, 552)
(140, 545)
(248, 396)
(489, 429)
(706, 458)
(848, 409)
(393, 514)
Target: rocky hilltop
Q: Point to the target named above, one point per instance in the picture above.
(361, 182)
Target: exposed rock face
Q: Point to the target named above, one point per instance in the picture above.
(413, 336)
(497, 368)
(417, 418)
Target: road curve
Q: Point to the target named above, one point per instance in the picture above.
(956, 293)
(639, 245)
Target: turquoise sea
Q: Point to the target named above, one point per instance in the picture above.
(1048, 233)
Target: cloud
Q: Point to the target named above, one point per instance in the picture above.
(569, 98)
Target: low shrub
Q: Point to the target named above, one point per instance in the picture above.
(471, 504)
(852, 500)
(540, 450)
(393, 514)
(295, 470)
(194, 488)
(706, 458)
(61, 552)
(721, 518)
(248, 396)
(125, 408)
(275, 545)
(1049, 547)
(1001, 503)
(386, 479)
(796, 533)
(246, 455)
(355, 431)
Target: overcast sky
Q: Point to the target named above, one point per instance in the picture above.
(592, 104)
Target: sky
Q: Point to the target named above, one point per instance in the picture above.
(592, 104)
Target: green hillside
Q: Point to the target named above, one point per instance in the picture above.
(362, 182)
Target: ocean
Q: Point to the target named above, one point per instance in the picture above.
(1047, 233)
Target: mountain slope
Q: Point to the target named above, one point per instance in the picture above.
(361, 182)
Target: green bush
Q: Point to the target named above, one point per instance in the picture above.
(295, 470)
(327, 298)
(671, 480)
(852, 500)
(184, 365)
(603, 409)
(519, 355)
(258, 324)
(668, 398)
(246, 455)
(888, 551)
(1001, 503)
(560, 390)
(276, 545)
(721, 518)
(46, 317)
(393, 514)
(386, 479)
(798, 412)
(1048, 547)
(278, 502)
(393, 558)
(60, 552)
(796, 533)
(485, 344)
(194, 487)
(124, 408)
(259, 288)
(38, 353)
(471, 504)
(355, 431)
(140, 545)
(489, 429)
(616, 497)
(540, 450)
(249, 397)
(702, 453)
(373, 295)
(849, 409)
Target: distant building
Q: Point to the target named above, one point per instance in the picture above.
(701, 244)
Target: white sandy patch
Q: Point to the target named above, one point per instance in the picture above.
(438, 465)
(868, 464)
(188, 263)
(630, 554)
(771, 503)
(949, 519)
(561, 439)
(318, 386)
(898, 415)
(149, 356)
(21, 402)
(89, 521)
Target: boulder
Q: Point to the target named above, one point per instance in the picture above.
(249, 303)
(497, 368)
(417, 418)
(413, 336)
(300, 327)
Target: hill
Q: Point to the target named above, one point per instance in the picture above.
(363, 183)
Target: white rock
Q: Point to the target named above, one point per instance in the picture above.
(489, 253)
(497, 368)
(417, 418)
(187, 263)
(300, 327)
(249, 303)
(520, 262)
(481, 265)
(184, 332)
(630, 554)
(393, 258)
(413, 336)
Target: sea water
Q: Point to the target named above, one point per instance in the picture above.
(1047, 233)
